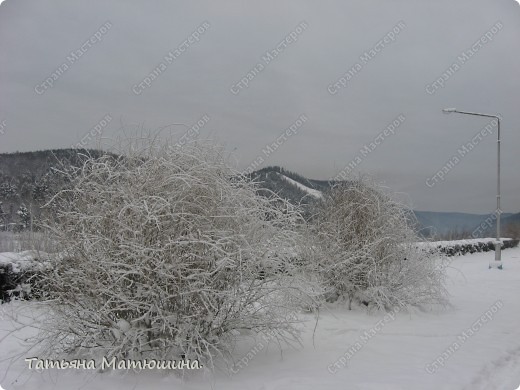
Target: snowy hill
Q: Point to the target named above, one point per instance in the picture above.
(311, 191)
(28, 179)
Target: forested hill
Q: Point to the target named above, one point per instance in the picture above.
(28, 179)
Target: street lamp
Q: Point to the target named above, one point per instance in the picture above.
(498, 244)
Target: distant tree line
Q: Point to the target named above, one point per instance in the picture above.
(28, 180)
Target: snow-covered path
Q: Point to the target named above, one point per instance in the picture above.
(396, 353)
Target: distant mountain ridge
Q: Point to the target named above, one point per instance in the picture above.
(458, 224)
(28, 179)
(447, 225)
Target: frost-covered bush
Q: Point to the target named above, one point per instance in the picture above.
(168, 252)
(368, 252)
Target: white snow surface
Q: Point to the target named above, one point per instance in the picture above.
(22, 260)
(395, 357)
(310, 191)
(452, 243)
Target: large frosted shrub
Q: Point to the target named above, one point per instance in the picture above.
(168, 252)
(368, 252)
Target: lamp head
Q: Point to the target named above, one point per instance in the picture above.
(449, 110)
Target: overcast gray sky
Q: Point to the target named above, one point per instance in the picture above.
(414, 43)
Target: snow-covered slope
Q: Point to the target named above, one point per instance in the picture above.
(308, 190)
(399, 352)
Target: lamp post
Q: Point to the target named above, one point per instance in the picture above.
(498, 244)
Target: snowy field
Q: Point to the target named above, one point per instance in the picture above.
(398, 351)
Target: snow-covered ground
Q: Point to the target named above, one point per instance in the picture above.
(397, 351)
(22, 260)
